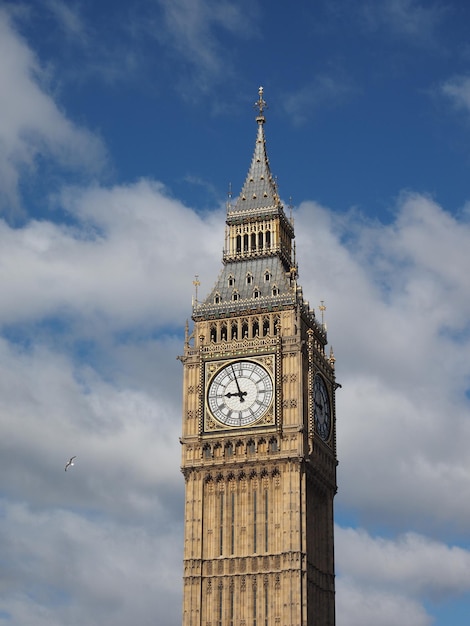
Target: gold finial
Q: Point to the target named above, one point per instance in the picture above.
(332, 355)
(322, 308)
(196, 283)
(261, 105)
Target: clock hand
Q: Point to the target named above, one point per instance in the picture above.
(240, 394)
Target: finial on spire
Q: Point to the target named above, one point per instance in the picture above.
(332, 361)
(196, 284)
(261, 105)
(322, 308)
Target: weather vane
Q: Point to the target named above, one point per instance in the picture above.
(260, 104)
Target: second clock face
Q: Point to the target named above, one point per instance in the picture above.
(321, 408)
(240, 393)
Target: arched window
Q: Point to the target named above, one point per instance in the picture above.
(267, 276)
(239, 244)
(256, 293)
(273, 447)
(217, 298)
(250, 447)
(253, 241)
(235, 296)
(268, 239)
(213, 332)
(231, 281)
(265, 326)
(275, 291)
(234, 330)
(277, 322)
(245, 243)
(260, 241)
(249, 278)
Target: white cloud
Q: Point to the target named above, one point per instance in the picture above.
(125, 437)
(398, 304)
(101, 543)
(378, 579)
(362, 606)
(125, 260)
(74, 569)
(458, 90)
(404, 565)
(32, 126)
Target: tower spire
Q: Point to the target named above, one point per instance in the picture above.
(258, 257)
(259, 193)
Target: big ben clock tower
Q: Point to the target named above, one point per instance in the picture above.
(258, 441)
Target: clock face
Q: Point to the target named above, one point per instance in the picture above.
(321, 407)
(240, 393)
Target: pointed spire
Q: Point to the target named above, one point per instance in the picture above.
(259, 192)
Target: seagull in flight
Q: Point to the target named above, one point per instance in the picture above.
(70, 462)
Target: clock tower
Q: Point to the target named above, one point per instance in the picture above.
(259, 429)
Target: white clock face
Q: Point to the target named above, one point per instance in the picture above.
(240, 393)
(321, 407)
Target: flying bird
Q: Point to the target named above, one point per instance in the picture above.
(70, 462)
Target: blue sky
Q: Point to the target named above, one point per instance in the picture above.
(122, 125)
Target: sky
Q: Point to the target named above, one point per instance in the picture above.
(123, 126)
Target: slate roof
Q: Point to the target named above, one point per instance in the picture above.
(247, 279)
(259, 191)
(250, 275)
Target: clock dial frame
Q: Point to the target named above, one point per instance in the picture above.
(321, 408)
(239, 393)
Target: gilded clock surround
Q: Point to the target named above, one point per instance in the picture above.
(264, 413)
(259, 542)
